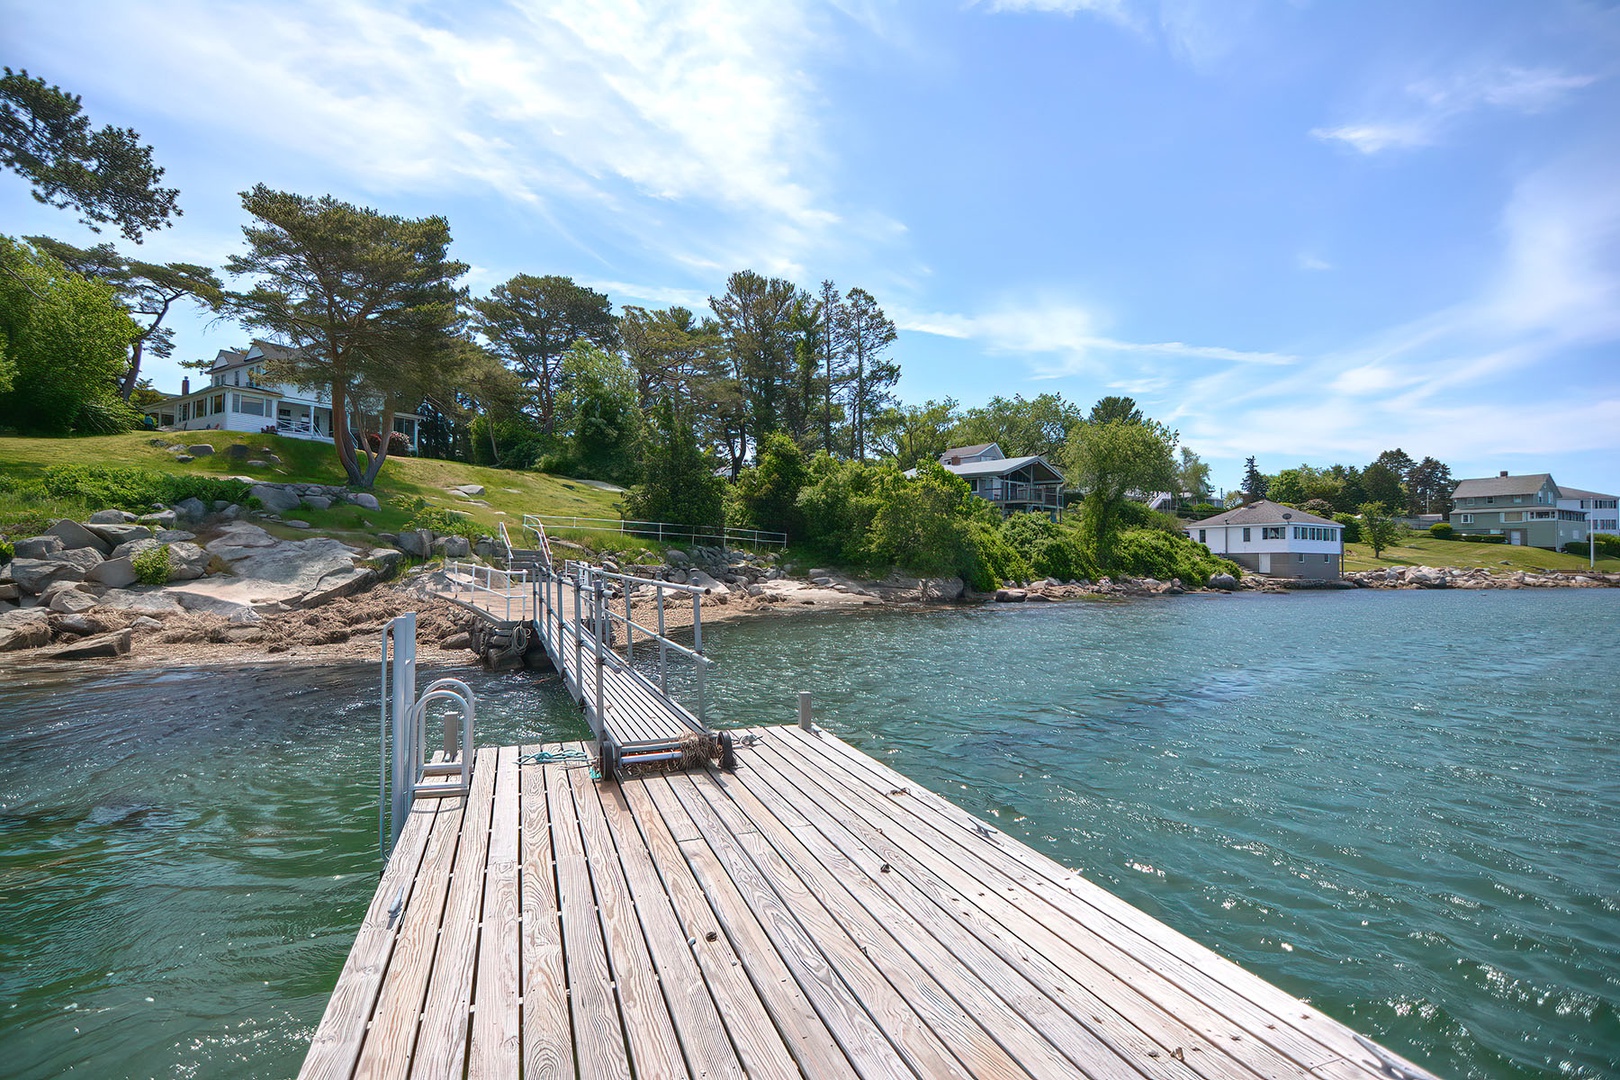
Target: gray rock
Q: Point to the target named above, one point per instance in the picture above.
(55, 589)
(459, 640)
(218, 505)
(417, 543)
(33, 575)
(114, 573)
(1224, 582)
(173, 536)
(100, 647)
(10, 590)
(191, 509)
(110, 517)
(155, 601)
(335, 586)
(200, 450)
(232, 512)
(453, 547)
(364, 500)
(120, 533)
(267, 458)
(145, 622)
(82, 625)
(162, 519)
(709, 585)
(469, 490)
(187, 562)
(25, 628)
(239, 540)
(294, 523)
(237, 451)
(677, 557)
(37, 547)
(74, 535)
(275, 498)
(387, 561)
(135, 547)
(1011, 596)
(72, 602)
(317, 502)
(184, 458)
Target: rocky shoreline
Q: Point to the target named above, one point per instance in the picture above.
(235, 591)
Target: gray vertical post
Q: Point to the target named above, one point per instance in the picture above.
(663, 647)
(629, 624)
(697, 647)
(804, 710)
(405, 744)
(597, 594)
(579, 644)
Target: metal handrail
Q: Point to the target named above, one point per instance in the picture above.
(506, 542)
(661, 530)
(515, 587)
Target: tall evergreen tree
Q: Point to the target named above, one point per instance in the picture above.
(531, 323)
(869, 333)
(369, 301)
(834, 358)
(754, 319)
(678, 483)
(1254, 481)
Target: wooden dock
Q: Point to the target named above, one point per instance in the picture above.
(814, 914)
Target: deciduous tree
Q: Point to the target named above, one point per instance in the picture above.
(105, 174)
(368, 300)
(1378, 527)
(1109, 461)
(678, 482)
(1114, 407)
(148, 290)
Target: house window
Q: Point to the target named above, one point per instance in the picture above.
(1201, 539)
(1245, 534)
(219, 403)
(1465, 519)
(1327, 558)
(1490, 500)
(253, 406)
(1299, 557)
(1273, 532)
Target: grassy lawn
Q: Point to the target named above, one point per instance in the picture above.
(400, 484)
(1497, 558)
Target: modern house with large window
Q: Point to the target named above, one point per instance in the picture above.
(1275, 540)
(1525, 510)
(241, 397)
(1015, 485)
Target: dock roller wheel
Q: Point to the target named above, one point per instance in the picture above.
(609, 760)
(728, 755)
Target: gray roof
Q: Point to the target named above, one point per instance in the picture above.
(1262, 512)
(1000, 466)
(1577, 493)
(1528, 484)
(966, 451)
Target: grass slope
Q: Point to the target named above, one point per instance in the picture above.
(402, 481)
(1497, 558)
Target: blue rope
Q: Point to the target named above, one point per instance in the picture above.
(547, 757)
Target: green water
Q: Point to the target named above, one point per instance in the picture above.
(1402, 806)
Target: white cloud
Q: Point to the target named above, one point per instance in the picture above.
(1116, 11)
(1307, 261)
(603, 116)
(1428, 105)
(1061, 339)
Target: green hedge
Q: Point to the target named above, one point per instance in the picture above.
(1481, 538)
(1608, 547)
(1442, 530)
(136, 490)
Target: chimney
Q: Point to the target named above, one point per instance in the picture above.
(185, 386)
(956, 459)
(1503, 473)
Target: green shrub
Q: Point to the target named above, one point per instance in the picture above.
(445, 523)
(1442, 530)
(990, 559)
(1157, 554)
(1481, 538)
(1608, 547)
(1052, 549)
(152, 565)
(7, 552)
(134, 489)
(1352, 527)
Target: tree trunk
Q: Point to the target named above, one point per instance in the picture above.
(134, 373)
(342, 438)
(385, 435)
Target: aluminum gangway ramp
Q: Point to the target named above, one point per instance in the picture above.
(586, 617)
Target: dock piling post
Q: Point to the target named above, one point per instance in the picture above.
(804, 711)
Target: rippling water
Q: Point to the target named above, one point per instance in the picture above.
(1402, 806)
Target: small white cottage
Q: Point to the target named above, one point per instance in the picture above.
(1276, 540)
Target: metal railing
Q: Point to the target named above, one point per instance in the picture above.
(506, 541)
(661, 531)
(501, 587)
(404, 765)
(575, 620)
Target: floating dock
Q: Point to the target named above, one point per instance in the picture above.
(812, 914)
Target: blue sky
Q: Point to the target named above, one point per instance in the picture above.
(1306, 231)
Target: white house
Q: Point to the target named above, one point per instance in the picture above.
(1275, 540)
(240, 397)
(1601, 513)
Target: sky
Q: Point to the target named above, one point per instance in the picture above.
(1304, 231)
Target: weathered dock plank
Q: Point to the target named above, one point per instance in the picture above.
(814, 914)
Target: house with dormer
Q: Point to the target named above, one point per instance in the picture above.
(1523, 510)
(242, 396)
